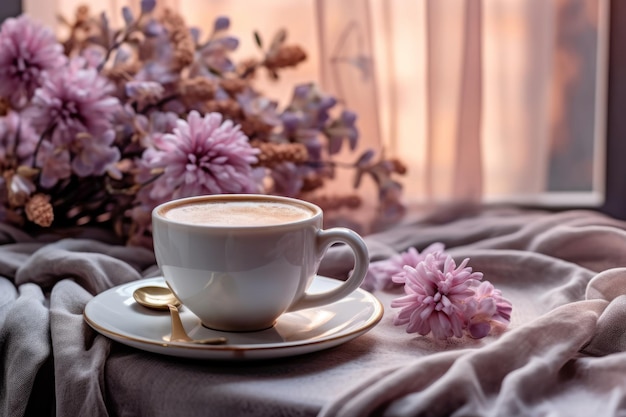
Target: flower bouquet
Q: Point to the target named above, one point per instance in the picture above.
(105, 125)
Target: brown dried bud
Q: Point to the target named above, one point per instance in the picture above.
(398, 166)
(122, 72)
(229, 108)
(273, 154)
(180, 37)
(328, 203)
(183, 54)
(82, 14)
(255, 127)
(39, 210)
(336, 202)
(171, 19)
(233, 86)
(197, 89)
(352, 201)
(311, 182)
(285, 56)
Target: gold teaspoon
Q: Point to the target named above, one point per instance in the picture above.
(160, 298)
(156, 298)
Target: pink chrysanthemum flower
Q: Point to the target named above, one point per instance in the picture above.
(72, 101)
(27, 50)
(413, 257)
(434, 300)
(383, 275)
(487, 308)
(204, 155)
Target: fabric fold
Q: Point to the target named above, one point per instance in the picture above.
(44, 337)
(567, 305)
(25, 346)
(486, 381)
(564, 353)
(95, 266)
(80, 354)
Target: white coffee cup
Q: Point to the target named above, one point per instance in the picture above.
(240, 261)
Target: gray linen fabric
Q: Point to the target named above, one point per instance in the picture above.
(43, 290)
(563, 355)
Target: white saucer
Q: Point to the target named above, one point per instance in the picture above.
(115, 314)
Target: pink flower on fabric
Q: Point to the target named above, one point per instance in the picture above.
(27, 50)
(72, 101)
(486, 309)
(204, 155)
(386, 274)
(434, 300)
(412, 257)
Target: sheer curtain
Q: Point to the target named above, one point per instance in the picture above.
(482, 99)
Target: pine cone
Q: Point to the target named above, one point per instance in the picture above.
(39, 210)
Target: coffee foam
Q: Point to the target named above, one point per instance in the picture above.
(238, 213)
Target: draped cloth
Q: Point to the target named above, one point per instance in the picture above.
(564, 353)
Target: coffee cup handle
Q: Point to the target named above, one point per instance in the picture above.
(325, 238)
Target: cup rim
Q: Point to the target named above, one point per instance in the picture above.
(317, 211)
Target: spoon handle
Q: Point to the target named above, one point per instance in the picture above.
(179, 334)
(178, 331)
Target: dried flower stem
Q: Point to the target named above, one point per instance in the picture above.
(132, 190)
(126, 34)
(159, 104)
(332, 164)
